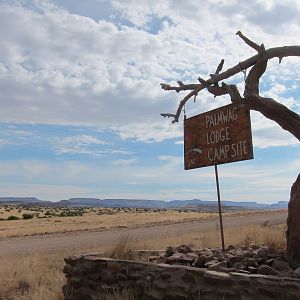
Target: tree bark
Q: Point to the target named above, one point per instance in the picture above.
(277, 112)
(293, 225)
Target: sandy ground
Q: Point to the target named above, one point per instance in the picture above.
(78, 240)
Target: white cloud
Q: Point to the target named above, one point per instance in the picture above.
(63, 68)
(79, 144)
(124, 162)
(150, 132)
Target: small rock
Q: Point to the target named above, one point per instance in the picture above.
(234, 259)
(220, 256)
(267, 270)
(229, 248)
(206, 252)
(239, 266)
(252, 270)
(237, 252)
(249, 262)
(243, 271)
(297, 271)
(200, 261)
(281, 265)
(170, 251)
(273, 255)
(218, 266)
(210, 263)
(184, 249)
(180, 258)
(261, 260)
(270, 261)
(262, 250)
(210, 258)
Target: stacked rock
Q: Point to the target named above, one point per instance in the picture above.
(252, 259)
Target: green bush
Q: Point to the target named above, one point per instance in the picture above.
(70, 214)
(27, 216)
(10, 218)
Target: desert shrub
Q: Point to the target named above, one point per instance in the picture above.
(70, 214)
(11, 218)
(27, 216)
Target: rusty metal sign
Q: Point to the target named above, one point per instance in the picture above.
(219, 136)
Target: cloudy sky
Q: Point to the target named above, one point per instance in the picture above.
(81, 100)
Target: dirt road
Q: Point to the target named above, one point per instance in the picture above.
(78, 240)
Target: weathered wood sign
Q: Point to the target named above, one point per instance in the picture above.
(218, 136)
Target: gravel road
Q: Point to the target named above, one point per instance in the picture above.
(53, 243)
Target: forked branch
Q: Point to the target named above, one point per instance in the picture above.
(258, 63)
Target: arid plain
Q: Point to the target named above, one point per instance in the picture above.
(35, 240)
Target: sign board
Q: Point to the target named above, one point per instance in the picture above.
(219, 136)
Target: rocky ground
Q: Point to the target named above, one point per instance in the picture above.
(252, 259)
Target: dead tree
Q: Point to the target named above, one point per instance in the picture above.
(270, 108)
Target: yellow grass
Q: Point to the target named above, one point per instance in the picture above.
(36, 277)
(40, 277)
(96, 219)
(93, 219)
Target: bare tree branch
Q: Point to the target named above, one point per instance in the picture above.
(182, 87)
(257, 62)
(277, 112)
(248, 41)
(233, 92)
(168, 115)
(220, 67)
(252, 80)
(280, 52)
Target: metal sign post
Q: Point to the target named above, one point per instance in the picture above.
(220, 208)
(219, 136)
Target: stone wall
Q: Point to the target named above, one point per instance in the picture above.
(90, 277)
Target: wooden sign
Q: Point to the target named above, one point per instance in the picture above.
(216, 137)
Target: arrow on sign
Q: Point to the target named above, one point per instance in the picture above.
(197, 150)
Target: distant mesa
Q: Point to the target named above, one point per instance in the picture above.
(21, 200)
(142, 203)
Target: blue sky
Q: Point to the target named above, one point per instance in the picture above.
(81, 100)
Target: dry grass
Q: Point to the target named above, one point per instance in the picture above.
(40, 277)
(122, 250)
(120, 295)
(97, 219)
(94, 219)
(273, 236)
(36, 277)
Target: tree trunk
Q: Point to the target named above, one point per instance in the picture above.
(293, 225)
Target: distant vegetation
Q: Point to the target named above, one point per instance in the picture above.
(41, 212)
(27, 216)
(10, 218)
